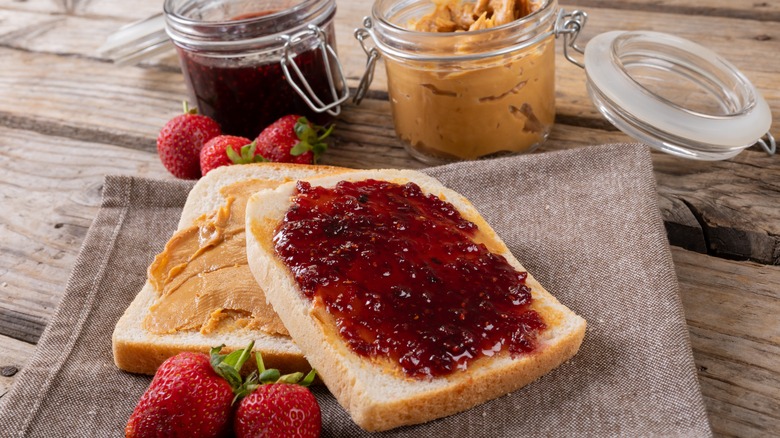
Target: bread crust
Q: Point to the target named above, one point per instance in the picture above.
(139, 351)
(375, 394)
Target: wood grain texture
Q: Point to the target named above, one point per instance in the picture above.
(46, 215)
(766, 10)
(731, 308)
(47, 6)
(734, 202)
(13, 357)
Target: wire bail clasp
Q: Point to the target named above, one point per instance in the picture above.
(372, 55)
(338, 88)
(769, 145)
(570, 25)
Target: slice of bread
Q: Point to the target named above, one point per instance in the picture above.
(138, 350)
(373, 391)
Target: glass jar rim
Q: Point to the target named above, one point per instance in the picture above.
(400, 42)
(255, 30)
(515, 23)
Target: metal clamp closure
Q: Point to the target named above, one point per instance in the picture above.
(569, 25)
(339, 92)
(372, 55)
(769, 145)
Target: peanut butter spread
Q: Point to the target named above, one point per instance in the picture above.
(202, 278)
(458, 15)
(477, 108)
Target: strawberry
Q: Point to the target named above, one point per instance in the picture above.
(191, 395)
(221, 151)
(292, 139)
(278, 407)
(181, 139)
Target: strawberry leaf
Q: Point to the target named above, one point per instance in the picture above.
(228, 366)
(231, 153)
(186, 107)
(318, 149)
(301, 148)
(309, 378)
(265, 375)
(270, 375)
(311, 138)
(302, 128)
(215, 357)
(232, 358)
(326, 133)
(230, 374)
(244, 356)
(246, 155)
(248, 152)
(260, 363)
(290, 378)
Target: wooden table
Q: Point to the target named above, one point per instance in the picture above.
(68, 117)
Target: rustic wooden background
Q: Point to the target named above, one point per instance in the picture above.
(68, 117)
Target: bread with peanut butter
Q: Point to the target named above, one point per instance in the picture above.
(403, 298)
(200, 292)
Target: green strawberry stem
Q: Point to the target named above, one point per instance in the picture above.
(247, 154)
(229, 367)
(187, 110)
(311, 138)
(273, 375)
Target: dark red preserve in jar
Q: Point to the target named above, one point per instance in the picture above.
(401, 274)
(248, 63)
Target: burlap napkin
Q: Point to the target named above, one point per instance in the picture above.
(585, 222)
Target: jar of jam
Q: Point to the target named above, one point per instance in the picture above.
(466, 83)
(247, 63)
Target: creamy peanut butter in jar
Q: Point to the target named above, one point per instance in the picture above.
(468, 79)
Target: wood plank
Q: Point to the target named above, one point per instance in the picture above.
(753, 10)
(123, 106)
(682, 227)
(13, 357)
(128, 11)
(16, 24)
(734, 201)
(46, 215)
(731, 309)
(47, 6)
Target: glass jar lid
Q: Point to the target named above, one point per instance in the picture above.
(674, 95)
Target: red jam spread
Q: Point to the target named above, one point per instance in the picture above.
(245, 97)
(401, 274)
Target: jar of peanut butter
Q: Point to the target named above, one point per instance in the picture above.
(467, 80)
(471, 79)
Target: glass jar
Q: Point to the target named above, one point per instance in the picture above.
(467, 95)
(675, 95)
(475, 94)
(247, 63)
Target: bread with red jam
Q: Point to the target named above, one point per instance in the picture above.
(143, 338)
(403, 298)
